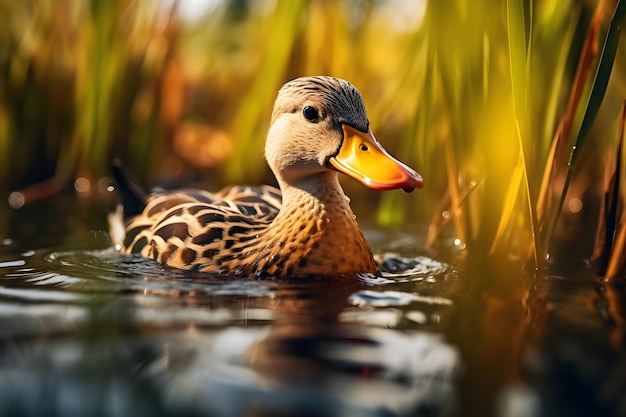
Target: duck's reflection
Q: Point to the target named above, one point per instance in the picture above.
(291, 349)
(310, 363)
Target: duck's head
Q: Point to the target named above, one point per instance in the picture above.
(319, 124)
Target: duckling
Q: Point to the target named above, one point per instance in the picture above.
(319, 127)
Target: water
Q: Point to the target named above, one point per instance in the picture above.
(87, 331)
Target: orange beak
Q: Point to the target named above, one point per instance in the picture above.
(363, 158)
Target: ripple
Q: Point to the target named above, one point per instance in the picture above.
(388, 318)
(11, 264)
(108, 271)
(410, 269)
(162, 296)
(393, 298)
(31, 294)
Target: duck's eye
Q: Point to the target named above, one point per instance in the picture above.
(364, 147)
(310, 113)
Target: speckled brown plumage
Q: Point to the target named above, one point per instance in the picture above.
(238, 235)
(305, 228)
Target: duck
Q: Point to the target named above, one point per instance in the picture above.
(304, 228)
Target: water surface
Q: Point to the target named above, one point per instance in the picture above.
(87, 331)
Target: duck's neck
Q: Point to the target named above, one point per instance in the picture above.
(316, 231)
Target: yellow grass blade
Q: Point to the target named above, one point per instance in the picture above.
(510, 200)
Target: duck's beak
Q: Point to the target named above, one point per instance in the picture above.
(363, 158)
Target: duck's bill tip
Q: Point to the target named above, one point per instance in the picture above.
(364, 159)
(401, 177)
(418, 182)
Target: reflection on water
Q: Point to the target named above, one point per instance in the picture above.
(93, 332)
(85, 331)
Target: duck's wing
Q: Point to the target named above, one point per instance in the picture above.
(246, 200)
(189, 228)
(264, 198)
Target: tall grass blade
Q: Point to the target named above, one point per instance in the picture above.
(612, 258)
(553, 135)
(593, 102)
(601, 80)
(556, 165)
(508, 209)
(520, 64)
(544, 200)
(518, 57)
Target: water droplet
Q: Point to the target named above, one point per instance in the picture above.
(261, 274)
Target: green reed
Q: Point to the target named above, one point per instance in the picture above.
(474, 96)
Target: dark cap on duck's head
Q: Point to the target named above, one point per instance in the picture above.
(341, 98)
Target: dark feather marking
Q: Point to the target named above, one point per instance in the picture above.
(248, 238)
(208, 237)
(237, 249)
(275, 195)
(139, 245)
(248, 210)
(210, 253)
(238, 230)
(166, 205)
(174, 213)
(165, 255)
(178, 230)
(193, 210)
(210, 218)
(188, 255)
(224, 258)
(242, 219)
(132, 234)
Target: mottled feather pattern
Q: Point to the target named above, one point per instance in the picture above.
(188, 228)
(223, 236)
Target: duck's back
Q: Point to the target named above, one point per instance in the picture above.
(191, 228)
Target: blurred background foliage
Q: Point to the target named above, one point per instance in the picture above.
(471, 94)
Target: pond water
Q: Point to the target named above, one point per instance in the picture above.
(85, 331)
